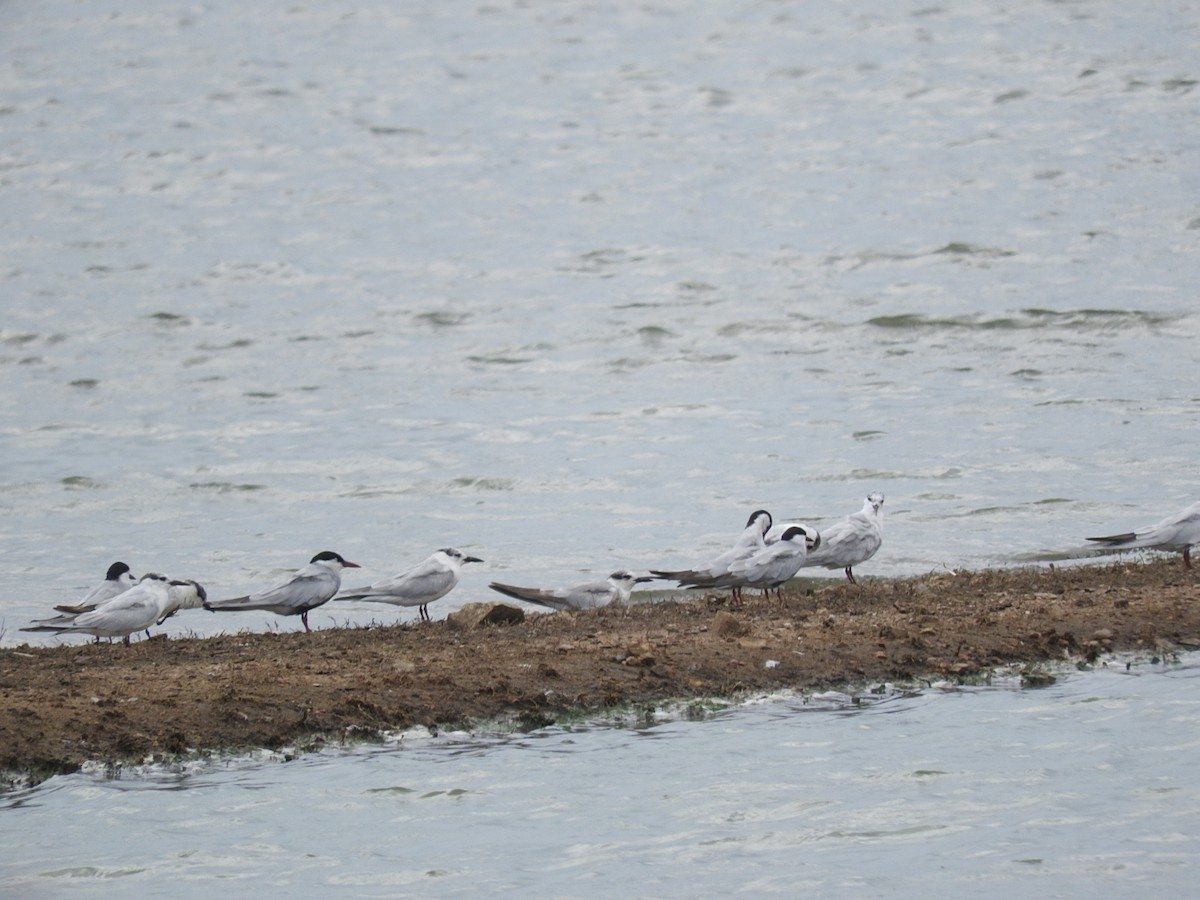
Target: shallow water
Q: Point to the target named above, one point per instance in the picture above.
(1082, 787)
(576, 287)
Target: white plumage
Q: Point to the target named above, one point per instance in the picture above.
(425, 582)
(149, 602)
(852, 540)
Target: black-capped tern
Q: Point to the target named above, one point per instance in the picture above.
(297, 594)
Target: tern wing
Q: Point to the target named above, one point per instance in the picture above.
(308, 588)
(1180, 530)
(846, 543)
(421, 584)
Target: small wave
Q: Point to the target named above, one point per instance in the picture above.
(80, 482)
(483, 483)
(225, 487)
(1031, 318)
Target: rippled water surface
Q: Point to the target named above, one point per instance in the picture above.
(1083, 788)
(575, 287)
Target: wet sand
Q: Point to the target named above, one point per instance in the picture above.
(166, 698)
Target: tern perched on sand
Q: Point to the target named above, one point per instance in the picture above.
(614, 590)
(419, 586)
(116, 581)
(851, 540)
(749, 542)
(1179, 532)
(297, 594)
(151, 601)
(772, 566)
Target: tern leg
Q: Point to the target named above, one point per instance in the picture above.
(304, 619)
(850, 575)
(1187, 556)
(424, 611)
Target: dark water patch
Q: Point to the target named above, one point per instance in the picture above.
(654, 334)
(1030, 318)
(630, 363)
(393, 130)
(226, 487)
(1179, 85)
(500, 359)
(440, 319)
(84, 383)
(484, 483)
(958, 248)
(169, 318)
(709, 358)
(1066, 402)
(1009, 96)
(596, 262)
(717, 98)
(80, 482)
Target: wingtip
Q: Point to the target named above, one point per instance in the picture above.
(1115, 538)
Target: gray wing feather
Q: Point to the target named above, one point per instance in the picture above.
(420, 585)
(297, 594)
(846, 543)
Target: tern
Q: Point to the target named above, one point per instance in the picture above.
(99, 596)
(116, 581)
(297, 594)
(613, 591)
(749, 542)
(851, 540)
(1179, 532)
(772, 566)
(419, 586)
(151, 601)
